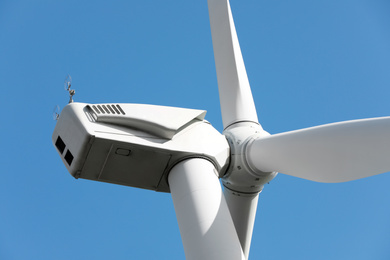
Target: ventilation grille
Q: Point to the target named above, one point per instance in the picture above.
(68, 157)
(61, 148)
(60, 145)
(108, 109)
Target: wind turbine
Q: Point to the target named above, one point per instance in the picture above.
(175, 150)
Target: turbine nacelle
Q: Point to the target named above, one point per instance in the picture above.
(135, 145)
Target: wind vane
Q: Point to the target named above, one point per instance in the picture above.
(67, 85)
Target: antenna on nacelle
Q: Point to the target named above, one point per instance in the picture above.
(67, 85)
(56, 112)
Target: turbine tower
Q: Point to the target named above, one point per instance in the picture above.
(176, 150)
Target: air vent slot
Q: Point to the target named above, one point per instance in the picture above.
(105, 109)
(95, 109)
(60, 145)
(116, 110)
(108, 109)
(120, 109)
(69, 157)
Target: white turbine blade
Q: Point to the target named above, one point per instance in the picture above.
(329, 153)
(205, 224)
(243, 211)
(234, 91)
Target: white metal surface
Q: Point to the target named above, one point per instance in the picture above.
(243, 211)
(206, 227)
(240, 176)
(234, 91)
(161, 121)
(336, 152)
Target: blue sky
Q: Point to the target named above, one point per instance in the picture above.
(308, 62)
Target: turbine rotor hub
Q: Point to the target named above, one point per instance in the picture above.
(240, 176)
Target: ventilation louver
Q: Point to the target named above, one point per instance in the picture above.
(108, 109)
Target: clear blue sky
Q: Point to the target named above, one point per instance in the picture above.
(308, 62)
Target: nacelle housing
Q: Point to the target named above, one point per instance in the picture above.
(135, 145)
